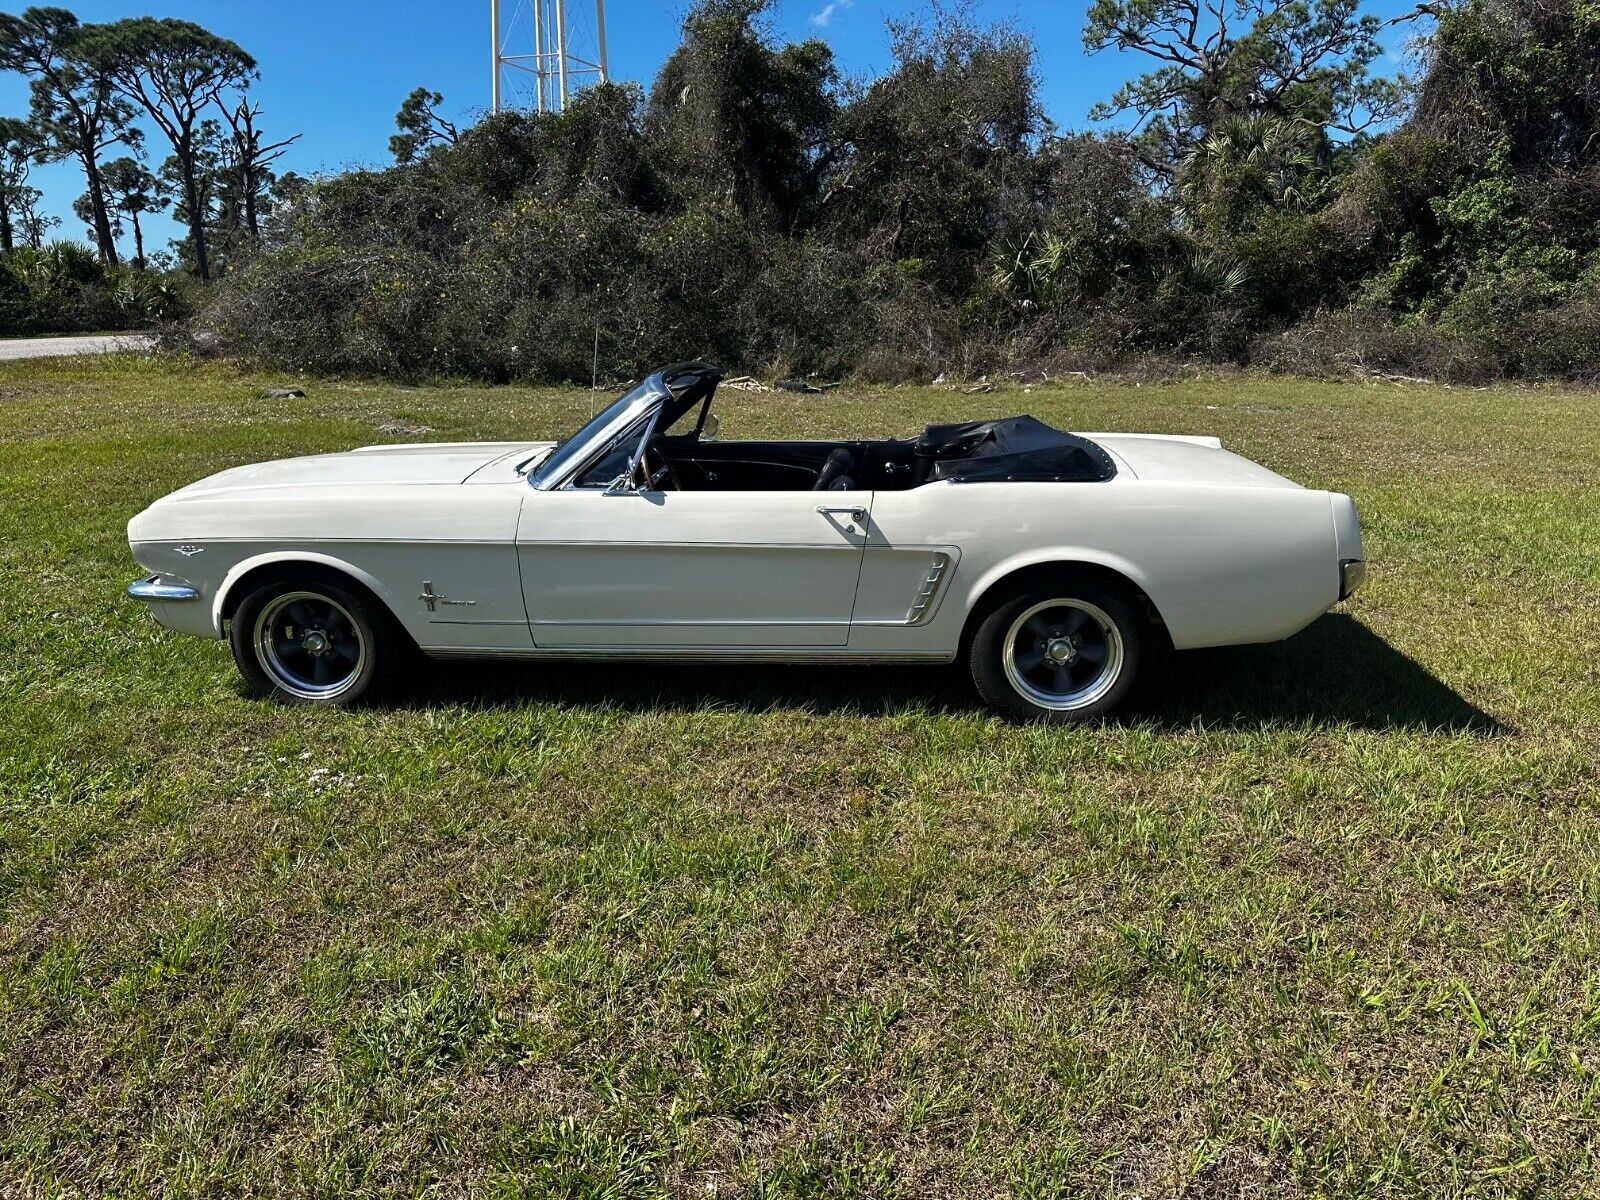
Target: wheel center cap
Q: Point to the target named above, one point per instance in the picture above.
(1060, 650)
(314, 642)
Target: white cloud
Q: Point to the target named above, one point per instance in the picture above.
(825, 16)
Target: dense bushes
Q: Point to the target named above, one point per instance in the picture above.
(754, 210)
(1475, 226)
(63, 288)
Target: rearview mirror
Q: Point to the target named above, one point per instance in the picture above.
(708, 431)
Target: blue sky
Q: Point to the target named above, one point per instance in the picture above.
(335, 72)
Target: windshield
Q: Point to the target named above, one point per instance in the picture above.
(562, 456)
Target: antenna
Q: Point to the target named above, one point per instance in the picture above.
(564, 55)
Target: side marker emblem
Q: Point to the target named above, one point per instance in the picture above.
(433, 599)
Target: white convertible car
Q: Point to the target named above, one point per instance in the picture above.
(1055, 563)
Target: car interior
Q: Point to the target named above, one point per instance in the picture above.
(694, 465)
(683, 456)
(687, 463)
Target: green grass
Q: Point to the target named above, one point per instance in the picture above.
(1317, 918)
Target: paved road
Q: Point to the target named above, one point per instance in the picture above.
(51, 347)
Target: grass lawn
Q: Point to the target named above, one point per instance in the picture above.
(1317, 919)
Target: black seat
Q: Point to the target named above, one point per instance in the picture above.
(836, 472)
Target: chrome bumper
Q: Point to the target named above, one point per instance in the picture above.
(1352, 574)
(155, 587)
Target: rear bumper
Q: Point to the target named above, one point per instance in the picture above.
(1352, 574)
(163, 587)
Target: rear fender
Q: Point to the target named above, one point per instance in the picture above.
(1062, 556)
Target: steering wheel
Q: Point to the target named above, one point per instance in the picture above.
(658, 476)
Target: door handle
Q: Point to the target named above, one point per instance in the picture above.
(856, 513)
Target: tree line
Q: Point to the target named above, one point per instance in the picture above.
(1261, 193)
(90, 86)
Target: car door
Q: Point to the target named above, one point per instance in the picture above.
(691, 570)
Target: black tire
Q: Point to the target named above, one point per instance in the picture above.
(1058, 633)
(307, 639)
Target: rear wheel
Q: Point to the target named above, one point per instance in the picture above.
(310, 641)
(1059, 653)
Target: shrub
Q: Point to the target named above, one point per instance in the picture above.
(1358, 341)
(63, 288)
(1528, 323)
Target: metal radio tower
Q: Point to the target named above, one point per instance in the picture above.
(562, 59)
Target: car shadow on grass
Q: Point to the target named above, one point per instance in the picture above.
(1335, 672)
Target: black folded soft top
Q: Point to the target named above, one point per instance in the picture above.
(1013, 449)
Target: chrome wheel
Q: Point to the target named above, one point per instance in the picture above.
(309, 645)
(1063, 654)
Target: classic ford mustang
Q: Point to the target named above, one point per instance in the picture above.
(1056, 564)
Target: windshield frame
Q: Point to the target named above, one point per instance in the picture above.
(573, 455)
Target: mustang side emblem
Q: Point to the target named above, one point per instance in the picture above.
(433, 599)
(190, 551)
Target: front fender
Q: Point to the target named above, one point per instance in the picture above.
(317, 558)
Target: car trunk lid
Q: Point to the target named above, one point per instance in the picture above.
(1170, 458)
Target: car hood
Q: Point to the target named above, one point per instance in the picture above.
(428, 463)
(1171, 458)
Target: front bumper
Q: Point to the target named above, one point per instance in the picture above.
(1352, 574)
(163, 587)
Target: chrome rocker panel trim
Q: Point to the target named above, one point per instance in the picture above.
(797, 656)
(155, 587)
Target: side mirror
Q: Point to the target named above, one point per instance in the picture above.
(709, 431)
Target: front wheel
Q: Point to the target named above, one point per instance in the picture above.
(309, 641)
(1059, 654)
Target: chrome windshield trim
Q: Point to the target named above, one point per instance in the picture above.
(155, 587)
(534, 461)
(652, 392)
